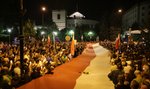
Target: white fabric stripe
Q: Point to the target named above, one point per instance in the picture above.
(98, 70)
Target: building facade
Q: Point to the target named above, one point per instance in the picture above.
(80, 22)
(59, 17)
(72, 21)
(138, 14)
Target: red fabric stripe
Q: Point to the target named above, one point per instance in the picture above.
(65, 75)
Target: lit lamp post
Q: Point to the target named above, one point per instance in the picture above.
(54, 34)
(90, 34)
(120, 25)
(72, 34)
(43, 10)
(120, 12)
(42, 34)
(9, 31)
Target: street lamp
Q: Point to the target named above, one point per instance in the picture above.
(90, 34)
(54, 34)
(42, 33)
(9, 31)
(43, 10)
(120, 11)
(72, 33)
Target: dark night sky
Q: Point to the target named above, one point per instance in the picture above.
(93, 9)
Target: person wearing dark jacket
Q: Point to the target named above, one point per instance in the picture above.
(113, 75)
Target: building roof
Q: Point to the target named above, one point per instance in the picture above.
(77, 15)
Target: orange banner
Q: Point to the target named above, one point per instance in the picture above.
(72, 47)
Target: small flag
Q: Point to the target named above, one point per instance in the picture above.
(48, 40)
(117, 43)
(57, 39)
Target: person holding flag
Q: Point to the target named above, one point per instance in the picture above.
(72, 50)
(48, 40)
(117, 42)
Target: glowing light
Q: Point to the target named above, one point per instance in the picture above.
(120, 10)
(90, 33)
(9, 30)
(42, 33)
(43, 8)
(71, 32)
(55, 33)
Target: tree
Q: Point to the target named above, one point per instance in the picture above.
(52, 27)
(28, 29)
(64, 33)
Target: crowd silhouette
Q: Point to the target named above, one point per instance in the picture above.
(40, 58)
(130, 65)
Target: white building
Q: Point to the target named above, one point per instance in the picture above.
(75, 19)
(59, 17)
(78, 19)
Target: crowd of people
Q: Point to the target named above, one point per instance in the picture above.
(40, 58)
(130, 65)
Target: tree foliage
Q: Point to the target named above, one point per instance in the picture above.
(28, 29)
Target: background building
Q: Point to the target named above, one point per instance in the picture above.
(77, 19)
(138, 15)
(59, 17)
(72, 21)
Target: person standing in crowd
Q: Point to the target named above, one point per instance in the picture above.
(137, 80)
(116, 76)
